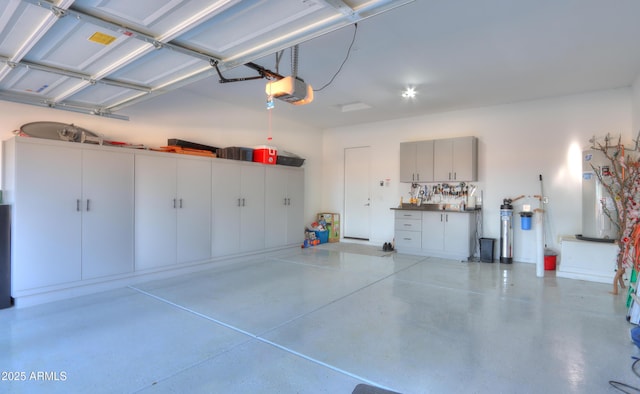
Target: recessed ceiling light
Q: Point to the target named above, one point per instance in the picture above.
(353, 107)
(409, 93)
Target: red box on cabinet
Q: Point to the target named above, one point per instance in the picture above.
(265, 154)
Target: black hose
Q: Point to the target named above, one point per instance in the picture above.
(623, 386)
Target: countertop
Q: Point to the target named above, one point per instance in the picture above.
(435, 207)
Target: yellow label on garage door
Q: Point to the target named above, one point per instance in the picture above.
(102, 38)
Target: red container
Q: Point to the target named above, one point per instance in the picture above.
(550, 263)
(265, 154)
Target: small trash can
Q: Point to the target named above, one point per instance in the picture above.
(549, 260)
(5, 256)
(486, 249)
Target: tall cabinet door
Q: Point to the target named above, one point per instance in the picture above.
(284, 204)
(295, 206)
(156, 210)
(424, 161)
(457, 233)
(47, 217)
(252, 213)
(465, 158)
(408, 152)
(433, 230)
(194, 210)
(226, 205)
(276, 195)
(443, 160)
(107, 218)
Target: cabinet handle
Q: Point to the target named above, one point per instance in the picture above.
(239, 203)
(243, 202)
(88, 204)
(407, 239)
(78, 205)
(285, 201)
(418, 177)
(446, 217)
(455, 176)
(407, 225)
(174, 203)
(180, 203)
(288, 201)
(441, 217)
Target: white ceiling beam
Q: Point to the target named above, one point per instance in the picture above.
(343, 8)
(34, 37)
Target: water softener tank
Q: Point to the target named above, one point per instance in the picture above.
(506, 231)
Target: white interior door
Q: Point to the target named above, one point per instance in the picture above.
(357, 201)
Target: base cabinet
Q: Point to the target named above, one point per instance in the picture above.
(445, 234)
(448, 233)
(408, 230)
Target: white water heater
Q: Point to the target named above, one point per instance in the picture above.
(596, 225)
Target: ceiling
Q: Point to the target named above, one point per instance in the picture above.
(458, 54)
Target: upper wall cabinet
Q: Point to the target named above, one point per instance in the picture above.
(455, 159)
(416, 161)
(445, 160)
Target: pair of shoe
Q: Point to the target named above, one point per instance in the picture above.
(387, 247)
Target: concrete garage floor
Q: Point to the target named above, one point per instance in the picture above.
(323, 321)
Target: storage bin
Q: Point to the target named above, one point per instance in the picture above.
(235, 153)
(323, 236)
(265, 154)
(289, 159)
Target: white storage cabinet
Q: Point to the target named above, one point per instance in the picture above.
(408, 230)
(173, 210)
(284, 206)
(72, 212)
(238, 207)
(455, 159)
(416, 161)
(448, 234)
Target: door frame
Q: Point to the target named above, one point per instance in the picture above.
(344, 197)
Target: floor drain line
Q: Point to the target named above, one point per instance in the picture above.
(261, 339)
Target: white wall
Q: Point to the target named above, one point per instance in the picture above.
(207, 122)
(517, 142)
(635, 102)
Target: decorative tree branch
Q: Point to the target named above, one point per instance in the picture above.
(622, 182)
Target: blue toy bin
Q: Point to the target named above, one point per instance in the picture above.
(323, 236)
